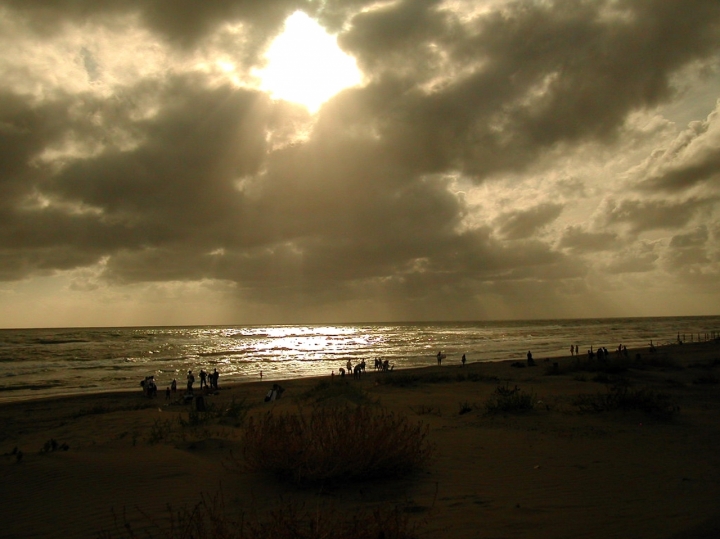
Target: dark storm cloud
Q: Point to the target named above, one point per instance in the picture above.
(177, 186)
(644, 215)
(525, 223)
(582, 241)
(182, 178)
(693, 159)
(25, 131)
(399, 37)
(640, 258)
(690, 174)
(524, 78)
(180, 21)
(688, 253)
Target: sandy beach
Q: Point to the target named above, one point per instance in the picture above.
(573, 466)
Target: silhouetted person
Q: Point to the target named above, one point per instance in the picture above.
(463, 360)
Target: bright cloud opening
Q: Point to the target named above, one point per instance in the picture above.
(305, 64)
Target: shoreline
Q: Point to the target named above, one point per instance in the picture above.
(406, 370)
(40, 363)
(557, 471)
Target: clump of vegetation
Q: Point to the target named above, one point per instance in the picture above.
(507, 399)
(552, 369)
(102, 409)
(52, 445)
(465, 408)
(707, 378)
(335, 443)
(705, 364)
(209, 519)
(210, 413)
(159, 431)
(656, 360)
(622, 397)
(476, 377)
(336, 392)
(426, 409)
(196, 418)
(406, 380)
(298, 522)
(618, 381)
(606, 365)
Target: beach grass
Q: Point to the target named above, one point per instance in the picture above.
(210, 519)
(335, 443)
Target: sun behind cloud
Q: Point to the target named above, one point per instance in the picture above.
(305, 64)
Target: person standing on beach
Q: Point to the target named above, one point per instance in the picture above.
(190, 382)
(463, 360)
(203, 378)
(572, 350)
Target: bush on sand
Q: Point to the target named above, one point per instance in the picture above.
(513, 400)
(621, 397)
(335, 443)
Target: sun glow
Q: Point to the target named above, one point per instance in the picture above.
(305, 64)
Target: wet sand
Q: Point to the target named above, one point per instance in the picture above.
(558, 471)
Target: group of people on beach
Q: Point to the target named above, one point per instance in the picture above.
(359, 369)
(208, 384)
(149, 387)
(208, 380)
(380, 365)
(440, 356)
(356, 371)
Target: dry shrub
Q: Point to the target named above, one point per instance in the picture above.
(408, 380)
(607, 365)
(513, 400)
(623, 398)
(707, 378)
(656, 360)
(296, 522)
(335, 444)
(336, 392)
(209, 519)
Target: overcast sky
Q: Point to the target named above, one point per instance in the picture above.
(491, 159)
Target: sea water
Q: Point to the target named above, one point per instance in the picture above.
(48, 362)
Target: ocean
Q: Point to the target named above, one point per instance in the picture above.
(50, 362)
